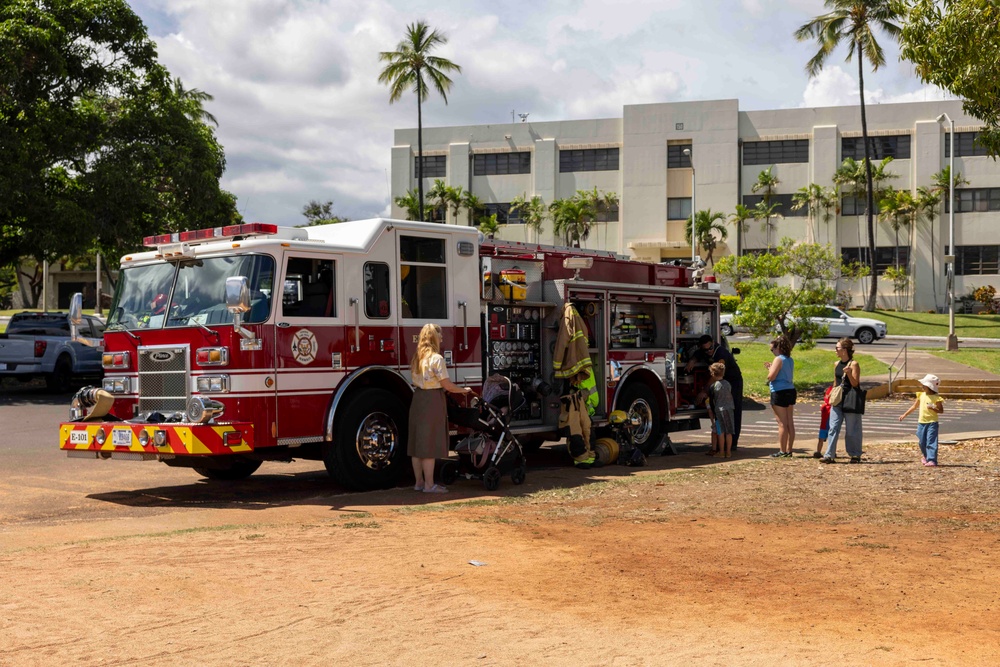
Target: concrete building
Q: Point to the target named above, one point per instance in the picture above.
(641, 157)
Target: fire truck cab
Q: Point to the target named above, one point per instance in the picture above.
(236, 345)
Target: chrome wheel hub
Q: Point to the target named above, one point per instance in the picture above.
(376, 440)
(640, 408)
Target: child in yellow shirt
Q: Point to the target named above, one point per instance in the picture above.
(930, 405)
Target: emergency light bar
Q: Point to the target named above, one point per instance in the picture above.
(212, 233)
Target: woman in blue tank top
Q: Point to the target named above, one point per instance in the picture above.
(779, 377)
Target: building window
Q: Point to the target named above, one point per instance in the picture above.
(678, 208)
(965, 145)
(974, 200)
(498, 164)
(502, 211)
(676, 158)
(436, 213)
(885, 256)
(377, 299)
(896, 146)
(591, 159)
(423, 282)
(434, 166)
(611, 214)
(851, 205)
(776, 152)
(975, 260)
(785, 205)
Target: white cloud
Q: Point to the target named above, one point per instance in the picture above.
(302, 116)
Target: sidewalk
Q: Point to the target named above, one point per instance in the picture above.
(921, 362)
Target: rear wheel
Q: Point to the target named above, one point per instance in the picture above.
(60, 379)
(866, 336)
(369, 446)
(239, 470)
(638, 400)
(727, 329)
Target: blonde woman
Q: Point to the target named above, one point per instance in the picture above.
(428, 434)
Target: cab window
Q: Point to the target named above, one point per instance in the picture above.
(310, 288)
(377, 302)
(423, 278)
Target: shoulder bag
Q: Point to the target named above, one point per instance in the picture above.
(836, 395)
(854, 398)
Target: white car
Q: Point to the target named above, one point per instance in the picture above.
(842, 325)
(726, 324)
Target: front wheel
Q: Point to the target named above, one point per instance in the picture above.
(369, 447)
(866, 336)
(727, 329)
(59, 381)
(638, 400)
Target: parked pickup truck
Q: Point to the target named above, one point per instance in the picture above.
(40, 345)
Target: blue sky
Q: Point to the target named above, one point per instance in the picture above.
(302, 116)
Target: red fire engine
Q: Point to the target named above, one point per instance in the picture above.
(231, 346)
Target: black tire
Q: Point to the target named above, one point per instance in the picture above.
(865, 335)
(727, 329)
(239, 470)
(449, 472)
(531, 443)
(638, 398)
(60, 380)
(491, 478)
(369, 447)
(518, 474)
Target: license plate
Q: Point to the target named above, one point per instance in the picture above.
(121, 437)
(79, 438)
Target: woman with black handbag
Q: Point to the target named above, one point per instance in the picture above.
(846, 413)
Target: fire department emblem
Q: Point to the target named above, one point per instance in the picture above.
(304, 346)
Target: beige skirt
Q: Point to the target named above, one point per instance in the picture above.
(428, 432)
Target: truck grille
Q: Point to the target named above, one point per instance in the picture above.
(163, 378)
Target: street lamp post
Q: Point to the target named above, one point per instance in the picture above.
(694, 249)
(952, 342)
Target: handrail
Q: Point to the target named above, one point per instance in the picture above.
(902, 369)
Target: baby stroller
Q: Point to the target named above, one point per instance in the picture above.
(491, 450)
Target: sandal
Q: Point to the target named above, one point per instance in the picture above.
(418, 487)
(437, 488)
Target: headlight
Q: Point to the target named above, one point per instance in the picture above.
(100, 436)
(213, 384)
(116, 385)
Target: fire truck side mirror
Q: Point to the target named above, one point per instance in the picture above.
(238, 302)
(75, 315)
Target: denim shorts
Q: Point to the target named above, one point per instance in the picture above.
(784, 398)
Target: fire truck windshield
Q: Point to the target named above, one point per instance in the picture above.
(189, 293)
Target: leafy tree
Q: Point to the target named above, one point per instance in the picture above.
(473, 206)
(766, 182)
(955, 44)
(445, 197)
(317, 213)
(572, 218)
(532, 211)
(489, 225)
(707, 224)
(808, 273)
(987, 296)
(740, 218)
(819, 202)
(900, 279)
(407, 68)
(96, 139)
(855, 22)
(410, 203)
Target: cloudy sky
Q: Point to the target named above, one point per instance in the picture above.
(302, 115)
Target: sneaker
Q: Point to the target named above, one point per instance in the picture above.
(855, 459)
(931, 464)
(787, 455)
(826, 459)
(778, 455)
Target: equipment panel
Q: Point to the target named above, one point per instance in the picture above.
(512, 347)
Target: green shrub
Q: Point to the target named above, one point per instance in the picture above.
(729, 303)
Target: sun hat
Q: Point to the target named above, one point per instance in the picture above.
(930, 381)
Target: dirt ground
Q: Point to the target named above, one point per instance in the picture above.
(751, 561)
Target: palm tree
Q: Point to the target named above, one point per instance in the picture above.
(927, 203)
(440, 196)
(410, 203)
(829, 205)
(814, 198)
(855, 22)
(572, 219)
(767, 182)
(406, 68)
(194, 100)
(456, 197)
(896, 208)
(473, 205)
(706, 224)
(489, 226)
(739, 220)
(532, 211)
(764, 211)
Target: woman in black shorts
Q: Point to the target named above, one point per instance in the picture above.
(779, 378)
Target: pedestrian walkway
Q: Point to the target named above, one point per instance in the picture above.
(921, 362)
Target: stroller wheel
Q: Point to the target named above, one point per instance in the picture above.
(518, 474)
(491, 478)
(449, 472)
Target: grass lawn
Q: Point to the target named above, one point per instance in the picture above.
(812, 367)
(933, 324)
(983, 359)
